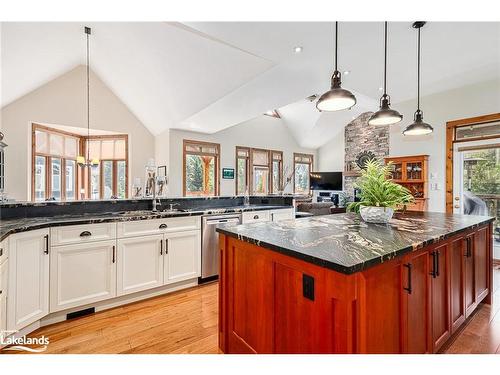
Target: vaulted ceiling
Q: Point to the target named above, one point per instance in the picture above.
(209, 76)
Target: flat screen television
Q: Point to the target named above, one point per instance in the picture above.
(326, 180)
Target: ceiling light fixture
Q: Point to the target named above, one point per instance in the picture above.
(298, 49)
(347, 72)
(336, 98)
(80, 159)
(418, 127)
(385, 115)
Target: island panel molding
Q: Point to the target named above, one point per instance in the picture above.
(401, 305)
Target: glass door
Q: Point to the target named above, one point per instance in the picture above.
(476, 187)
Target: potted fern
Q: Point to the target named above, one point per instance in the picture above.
(379, 195)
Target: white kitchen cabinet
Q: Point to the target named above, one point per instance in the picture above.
(28, 293)
(255, 217)
(182, 258)
(140, 263)
(82, 274)
(282, 214)
(157, 226)
(3, 295)
(73, 234)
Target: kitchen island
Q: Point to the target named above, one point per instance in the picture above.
(335, 284)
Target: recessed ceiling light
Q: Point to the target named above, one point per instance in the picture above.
(380, 88)
(297, 49)
(347, 72)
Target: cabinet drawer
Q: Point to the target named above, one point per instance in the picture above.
(4, 250)
(255, 216)
(282, 214)
(156, 226)
(82, 233)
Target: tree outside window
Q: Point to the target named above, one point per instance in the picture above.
(201, 165)
(303, 164)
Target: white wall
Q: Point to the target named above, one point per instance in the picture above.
(467, 101)
(62, 101)
(262, 132)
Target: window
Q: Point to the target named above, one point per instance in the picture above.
(56, 174)
(242, 170)
(258, 171)
(302, 165)
(201, 168)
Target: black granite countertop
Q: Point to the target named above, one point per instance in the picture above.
(347, 244)
(10, 226)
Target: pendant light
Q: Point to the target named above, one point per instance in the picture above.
(337, 98)
(419, 127)
(385, 115)
(81, 160)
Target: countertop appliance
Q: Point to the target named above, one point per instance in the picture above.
(210, 243)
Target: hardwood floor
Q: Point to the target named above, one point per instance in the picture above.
(186, 322)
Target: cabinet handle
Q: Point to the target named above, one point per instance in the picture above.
(46, 251)
(114, 253)
(433, 273)
(162, 226)
(256, 217)
(1, 251)
(161, 247)
(85, 233)
(438, 253)
(408, 289)
(166, 246)
(468, 252)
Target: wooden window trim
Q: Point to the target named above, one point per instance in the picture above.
(216, 155)
(280, 173)
(451, 127)
(247, 168)
(81, 150)
(311, 167)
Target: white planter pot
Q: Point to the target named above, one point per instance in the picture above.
(376, 214)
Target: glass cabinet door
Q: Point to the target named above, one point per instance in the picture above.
(414, 171)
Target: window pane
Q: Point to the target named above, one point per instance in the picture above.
(302, 178)
(209, 149)
(276, 176)
(121, 177)
(107, 175)
(56, 144)
(70, 179)
(39, 178)
(200, 175)
(260, 180)
(70, 147)
(193, 148)
(108, 149)
(243, 153)
(260, 157)
(94, 182)
(478, 131)
(42, 142)
(120, 152)
(95, 149)
(56, 179)
(242, 176)
(276, 156)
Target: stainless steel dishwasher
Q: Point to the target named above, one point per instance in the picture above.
(210, 243)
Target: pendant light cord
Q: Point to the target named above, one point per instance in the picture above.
(336, 42)
(385, 59)
(418, 71)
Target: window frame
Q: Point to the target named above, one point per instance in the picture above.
(280, 169)
(81, 181)
(216, 155)
(311, 167)
(247, 168)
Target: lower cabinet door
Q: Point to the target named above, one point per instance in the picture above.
(3, 296)
(140, 263)
(182, 258)
(440, 304)
(457, 252)
(82, 274)
(418, 303)
(480, 245)
(283, 214)
(28, 278)
(470, 277)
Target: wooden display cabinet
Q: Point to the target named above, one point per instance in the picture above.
(412, 172)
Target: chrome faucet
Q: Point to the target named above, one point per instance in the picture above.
(156, 201)
(171, 208)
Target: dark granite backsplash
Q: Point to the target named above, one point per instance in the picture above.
(20, 210)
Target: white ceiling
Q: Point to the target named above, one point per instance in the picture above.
(209, 76)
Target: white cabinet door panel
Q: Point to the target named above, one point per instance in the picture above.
(255, 217)
(183, 256)
(28, 278)
(283, 214)
(3, 296)
(82, 274)
(73, 234)
(157, 226)
(139, 263)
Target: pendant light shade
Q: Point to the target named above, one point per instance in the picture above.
(385, 115)
(336, 98)
(418, 127)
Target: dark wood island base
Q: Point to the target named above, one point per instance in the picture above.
(272, 302)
